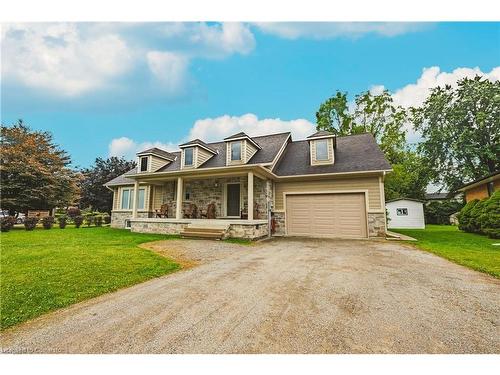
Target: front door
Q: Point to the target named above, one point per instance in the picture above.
(233, 200)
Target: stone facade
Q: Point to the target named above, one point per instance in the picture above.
(279, 222)
(118, 218)
(376, 225)
(157, 227)
(248, 231)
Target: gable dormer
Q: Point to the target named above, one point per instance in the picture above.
(195, 153)
(240, 148)
(322, 148)
(153, 159)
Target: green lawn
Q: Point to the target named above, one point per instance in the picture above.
(44, 270)
(467, 249)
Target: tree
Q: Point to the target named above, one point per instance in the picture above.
(34, 170)
(409, 177)
(461, 131)
(93, 193)
(375, 114)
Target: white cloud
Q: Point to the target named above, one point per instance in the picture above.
(61, 58)
(326, 30)
(415, 94)
(128, 148)
(215, 129)
(170, 68)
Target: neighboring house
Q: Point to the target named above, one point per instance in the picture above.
(405, 213)
(323, 186)
(481, 188)
(440, 197)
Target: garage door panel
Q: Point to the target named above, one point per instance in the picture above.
(326, 215)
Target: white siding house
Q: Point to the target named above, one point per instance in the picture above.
(405, 213)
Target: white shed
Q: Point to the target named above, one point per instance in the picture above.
(405, 213)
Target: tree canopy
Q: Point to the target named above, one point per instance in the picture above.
(372, 113)
(93, 193)
(34, 171)
(461, 131)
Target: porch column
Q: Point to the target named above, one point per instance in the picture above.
(250, 195)
(136, 198)
(178, 206)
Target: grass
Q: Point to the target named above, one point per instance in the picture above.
(468, 249)
(44, 270)
(240, 241)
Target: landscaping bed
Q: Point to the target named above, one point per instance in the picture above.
(468, 249)
(43, 270)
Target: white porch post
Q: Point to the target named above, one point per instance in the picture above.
(178, 207)
(250, 195)
(136, 198)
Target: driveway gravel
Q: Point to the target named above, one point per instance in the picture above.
(282, 296)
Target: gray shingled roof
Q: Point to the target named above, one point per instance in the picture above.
(159, 152)
(354, 153)
(321, 133)
(237, 135)
(200, 142)
(436, 196)
(122, 179)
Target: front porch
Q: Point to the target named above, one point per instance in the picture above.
(238, 203)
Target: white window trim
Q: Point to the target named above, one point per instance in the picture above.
(192, 157)
(131, 197)
(148, 163)
(231, 151)
(322, 141)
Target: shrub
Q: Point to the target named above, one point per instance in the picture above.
(48, 222)
(73, 212)
(30, 223)
(62, 220)
(98, 221)
(78, 221)
(439, 212)
(89, 220)
(475, 214)
(6, 223)
(490, 216)
(464, 217)
(107, 219)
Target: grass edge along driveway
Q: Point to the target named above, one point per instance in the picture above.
(467, 249)
(44, 270)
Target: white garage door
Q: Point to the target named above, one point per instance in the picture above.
(326, 215)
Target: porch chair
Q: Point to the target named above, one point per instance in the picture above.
(163, 211)
(209, 213)
(191, 212)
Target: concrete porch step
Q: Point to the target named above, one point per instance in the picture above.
(216, 235)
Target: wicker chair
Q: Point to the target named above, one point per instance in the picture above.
(163, 211)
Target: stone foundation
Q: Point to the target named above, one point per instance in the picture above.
(156, 227)
(118, 218)
(376, 225)
(248, 232)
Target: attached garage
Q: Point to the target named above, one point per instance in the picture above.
(326, 215)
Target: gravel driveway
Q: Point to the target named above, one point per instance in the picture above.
(283, 296)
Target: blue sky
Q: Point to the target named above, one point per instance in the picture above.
(106, 89)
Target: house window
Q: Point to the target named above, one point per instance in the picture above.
(144, 164)
(128, 199)
(235, 151)
(322, 149)
(188, 156)
(187, 194)
(490, 188)
(402, 211)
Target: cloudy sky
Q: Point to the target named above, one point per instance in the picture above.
(114, 88)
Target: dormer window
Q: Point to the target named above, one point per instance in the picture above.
(188, 156)
(322, 149)
(144, 164)
(235, 151)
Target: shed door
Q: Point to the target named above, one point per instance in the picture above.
(326, 215)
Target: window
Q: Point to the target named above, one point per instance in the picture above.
(402, 211)
(144, 164)
(140, 203)
(128, 199)
(236, 151)
(322, 149)
(188, 156)
(187, 194)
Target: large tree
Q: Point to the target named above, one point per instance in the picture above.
(409, 178)
(34, 171)
(461, 131)
(372, 113)
(93, 193)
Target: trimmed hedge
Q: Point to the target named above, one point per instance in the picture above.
(6, 223)
(30, 223)
(48, 222)
(481, 216)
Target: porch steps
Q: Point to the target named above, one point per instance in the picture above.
(205, 231)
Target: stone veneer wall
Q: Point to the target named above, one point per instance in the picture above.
(157, 227)
(376, 225)
(248, 232)
(118, 217)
